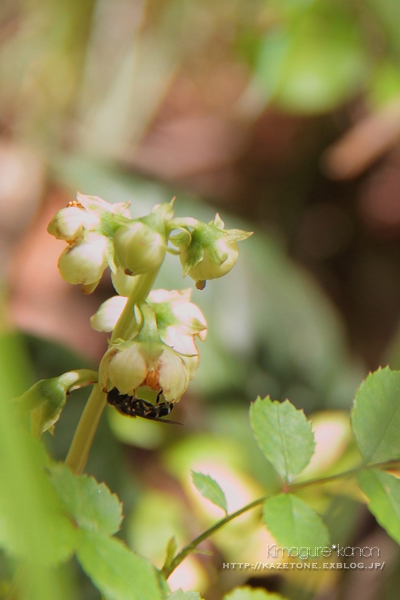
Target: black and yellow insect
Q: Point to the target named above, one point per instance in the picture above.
(137, 407)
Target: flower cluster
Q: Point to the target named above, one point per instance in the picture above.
(153, 340)
(163, 355)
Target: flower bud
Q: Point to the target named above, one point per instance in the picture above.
(139, 248)
(140, 245)
(217, 260)
(211, 252)
(70, 222)
(85, 262)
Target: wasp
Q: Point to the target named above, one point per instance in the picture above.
(137, 407)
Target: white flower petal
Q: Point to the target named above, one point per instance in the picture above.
(108, 314)
(85, 262)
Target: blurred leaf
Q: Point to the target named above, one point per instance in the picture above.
(376, 416)
(384, 84)
(170, 552)
(383, 491)
(157, 519)
(116, 571)
(209, 489)
(247, 593)
(341, 519)
(32, 523)
(283, 434)
(181, 595)
(293, 523)
(91, 504)
(315, 61)
(386, 15)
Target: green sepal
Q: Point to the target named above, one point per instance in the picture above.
(171, 549)
(45, 400)
(193, 255)
(182, 239)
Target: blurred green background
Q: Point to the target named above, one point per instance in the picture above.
(283, 116)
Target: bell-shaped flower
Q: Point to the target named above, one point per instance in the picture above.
(86, 261)
(139, 248)
(87, 213)
(70, 223)
(133, 364)
(208, 251)
(179, 321)
(140, 245)
(87, 225)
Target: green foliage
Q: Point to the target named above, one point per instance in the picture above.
(383, 492)
(376, 416)
(115, 570)
(92, 505)
(180, 595)
(313, 61)
(293, 523)
(32, 520)
(284, 436)
(247, 593)
(210, 489)
(54, 539)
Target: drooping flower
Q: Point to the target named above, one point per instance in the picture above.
(86, 261)
(133, 364)
(207, 251)
(179, 321)
(87, 225)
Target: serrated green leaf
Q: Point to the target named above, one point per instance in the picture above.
(247, 593)
(376, 416)
(293, 523)
(91, 504)
(383, 491)
(210, 489)
(181, 595)
(116, 571)
(283, 434)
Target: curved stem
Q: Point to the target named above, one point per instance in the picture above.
(171, 566)
(83, 438)
(140, 290)
(84, 434)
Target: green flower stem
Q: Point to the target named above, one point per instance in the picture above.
(84, 434)
(141, 289)
(168, 568)
(83, 438)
